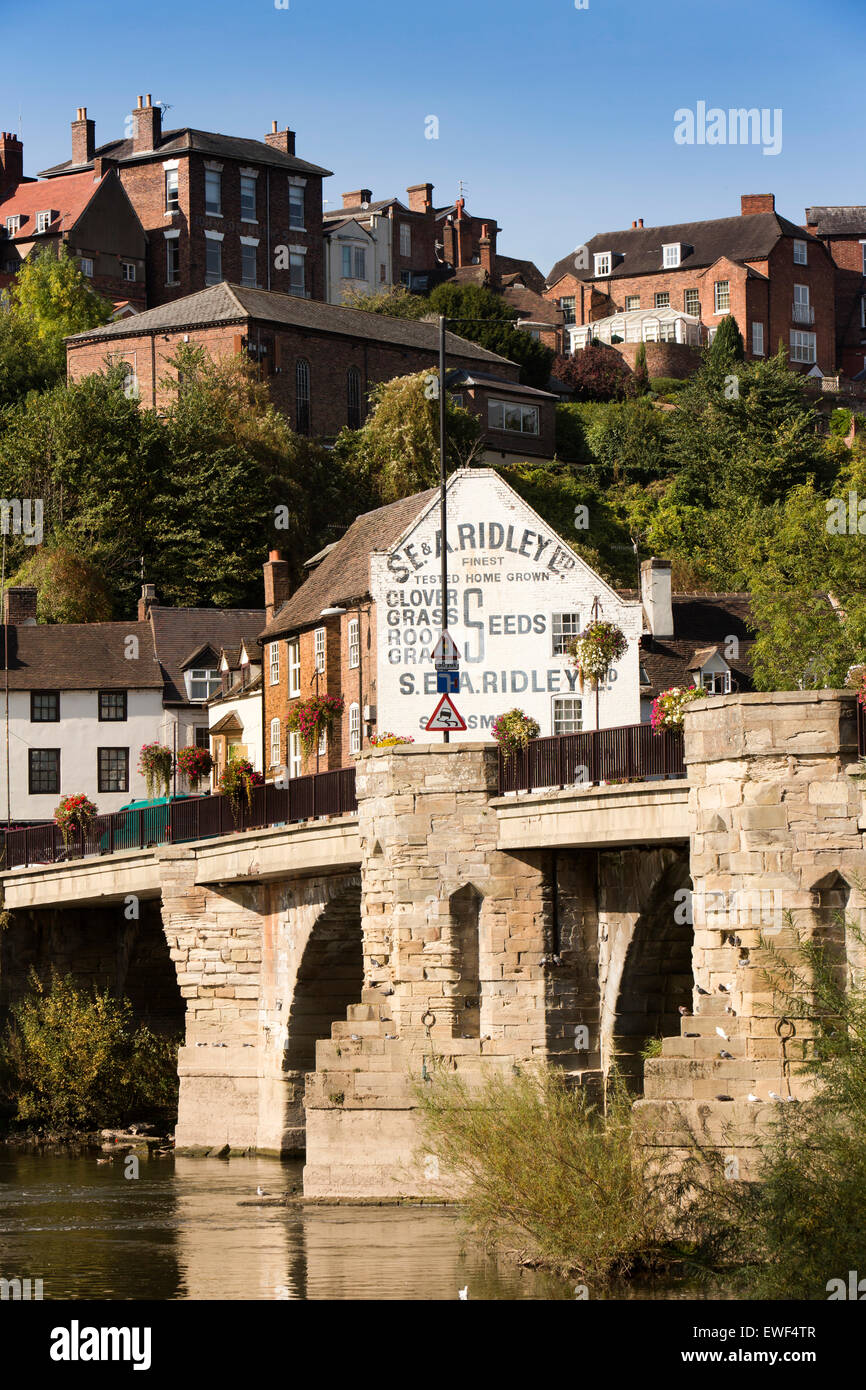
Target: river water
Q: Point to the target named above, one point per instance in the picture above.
(183, 1230)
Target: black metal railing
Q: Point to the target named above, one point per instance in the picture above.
(631, 753)
(194, 818)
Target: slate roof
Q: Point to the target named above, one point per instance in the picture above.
(228, 303)
(187, 141)
(527, 271)
(742, 238)
(837, 221)
(178, 632)
(344, 573)
(80, 656)
(67, 197)
(702, 625)
(496, 383)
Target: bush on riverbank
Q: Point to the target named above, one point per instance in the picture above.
(73, 1059)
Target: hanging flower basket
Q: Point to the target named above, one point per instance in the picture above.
(74, 814)
(156, 763)
(237, 782)
(598, 648)
(387, 740)
(669, 707)
(312, 717)
(195, 763)
(513, 730)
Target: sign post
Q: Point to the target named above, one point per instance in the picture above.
(443, 508)
(445, 716)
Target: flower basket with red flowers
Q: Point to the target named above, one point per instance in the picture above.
(74, 813)
(513, 730)
(311, 717)
(156, 763)
(669, 707)
(596, 650)
(388, 740)
(237, 781)
(194, 763)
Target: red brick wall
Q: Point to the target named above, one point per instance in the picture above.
(664, 359)
(850, 286)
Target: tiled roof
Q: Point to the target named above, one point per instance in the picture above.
(495, 383)
(187, 140)
(344, 573)
(80, 656)
(178, 632)
(841, 221)
(749, 238)
(67, 197)
(359, 210)
(227, 303)
(531, 306)
(703, 623)
(527, 271)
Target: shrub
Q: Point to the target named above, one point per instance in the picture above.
(596, 373)
(513, 730)
(156, 763)
(840, 422)
(666, 385)
(72, 1058)
(668, 707)
(388, 740)
(237, 781)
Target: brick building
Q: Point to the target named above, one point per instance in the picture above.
(90, 214)
(371, 245)
(319, 360)
(843, 232)
(776, 279)
(215, 207)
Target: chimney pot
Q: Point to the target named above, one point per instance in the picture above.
(19, 605)
(147, 601)
(276, 571)
(274, 127)
(655, 592)
(640, 222)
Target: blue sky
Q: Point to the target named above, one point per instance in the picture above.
(560, 121)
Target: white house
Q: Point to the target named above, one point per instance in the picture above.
(235, 713)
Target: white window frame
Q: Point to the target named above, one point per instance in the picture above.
(297, 273)
(127, 272)
(498, 412)
(203, 675)
(863, 249)
(802, 342)
(276, 742)
(757, 339)
(319, 650)
(662, 299)
(602, 264)
(671, 255)
(13, 225)
(293, 648)
(354, 728)
(297, 194)
(353, 643)
(172, 257)
(632, 303)
(43, 221)
(249, 245)
(172, 189)
(575, 721)
(564, 627)
(213, 240)
(322, 746)
(692, 293)
(405, 238)
(248, 177)
(274, 662)
(722, 297)
(209, 176)
(85, 265)
(295, 756)
(713, 677)
(801, 252)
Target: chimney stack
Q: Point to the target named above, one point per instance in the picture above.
(485, 253)
(147, 601)
(420, 197)
(276, 571)
(655, 592)
(19, 606)
(11, 162)
(640, 222)
(360, 195)
(751, 203)
(83, 137)
(146, 126)
(283, 140)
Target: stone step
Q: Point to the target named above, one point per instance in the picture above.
(364, 1028)
(710, 1005)
(708, 1045)
(367, 1012)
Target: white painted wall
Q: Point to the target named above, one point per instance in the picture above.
(78, 735)
(377, 240)
(508, 574)
(248, 709)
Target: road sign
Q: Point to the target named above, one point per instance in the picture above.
(445, 717)
(447, 682)
(446, 648)
(447, 665)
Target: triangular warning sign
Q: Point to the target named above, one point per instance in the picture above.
(445, 717)
(446, 648)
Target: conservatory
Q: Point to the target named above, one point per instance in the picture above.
(638, 326)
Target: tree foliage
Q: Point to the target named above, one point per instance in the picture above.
(485, 318)
(594, 374)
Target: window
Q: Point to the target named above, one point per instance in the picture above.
(213, 181)
(405, 238)
(172, 259)
(567, 716)
(112, 705)
(127, 271)
(294, 649)
(716, 682)
(213, 269)
(248, 198)
(632, 301)
(803, 311)
(801, 254)
(671, 255)
(568, 305)
(112, 769)
(302, 396)
(85, 265)
(296, 206)
(274, 662)
(295, 754)
(43, 772)
(354, 728)
(863, 311)
(803, 347)
(643, 675)
(662, 300)
(43, 221)
(517, 419)
(566, 626)
(863, 249)
(202, 736)
(692, 302)
(353, 638)
(319, 641)
(354, 262)
(276, 743)
(722, 296)
(323, 742)
(757, 340)
(297, 281)
(202, 682)
(44, 706)
(172, 197)
(13, 226)
(601, 263)
(353, 394)
(248, 262)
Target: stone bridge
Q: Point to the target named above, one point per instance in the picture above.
(314, 969)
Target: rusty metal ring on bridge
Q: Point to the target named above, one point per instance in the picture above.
(429, 1015)
(785, 1023)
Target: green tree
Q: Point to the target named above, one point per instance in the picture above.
(640, 375)
(496, 330)
(71, 588)
(395, 301)
(53, 299)
(727, 345)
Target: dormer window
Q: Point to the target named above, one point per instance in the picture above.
(602, 261)
(671, 255)
(202, 682)
(43, 221)
(13, 225)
